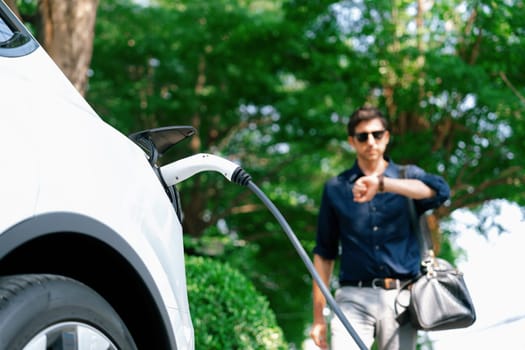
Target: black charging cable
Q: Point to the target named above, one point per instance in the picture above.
(244, 179)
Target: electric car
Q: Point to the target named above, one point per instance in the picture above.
(91, 252)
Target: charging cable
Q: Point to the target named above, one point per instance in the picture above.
(180, 170)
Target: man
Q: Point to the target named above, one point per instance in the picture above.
(364, 219)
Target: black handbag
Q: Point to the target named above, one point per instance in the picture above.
(439, 297)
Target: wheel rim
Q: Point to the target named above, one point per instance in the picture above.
(70, 336)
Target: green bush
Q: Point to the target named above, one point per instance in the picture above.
(227, 311)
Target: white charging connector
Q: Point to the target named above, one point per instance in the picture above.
(182, 169)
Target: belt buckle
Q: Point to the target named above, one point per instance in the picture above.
(392, 283)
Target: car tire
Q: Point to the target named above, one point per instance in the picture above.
(39, 312)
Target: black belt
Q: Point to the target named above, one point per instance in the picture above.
(385, 283)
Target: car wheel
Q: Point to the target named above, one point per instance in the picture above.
(39, 312)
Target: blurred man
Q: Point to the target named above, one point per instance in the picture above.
(364, 220)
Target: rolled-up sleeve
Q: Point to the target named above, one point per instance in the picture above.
(435, 182)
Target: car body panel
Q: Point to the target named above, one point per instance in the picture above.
(59, 156)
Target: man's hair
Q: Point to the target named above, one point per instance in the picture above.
(365, 113)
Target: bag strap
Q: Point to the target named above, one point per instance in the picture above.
(420, 226)
(422, 232)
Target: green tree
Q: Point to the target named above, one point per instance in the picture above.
(270, 84)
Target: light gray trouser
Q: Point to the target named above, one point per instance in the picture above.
(371, 314)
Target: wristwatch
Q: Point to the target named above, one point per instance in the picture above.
(381, 178)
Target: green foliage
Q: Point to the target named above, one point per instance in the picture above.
(227, 311)
(27, 7)
(283, 289)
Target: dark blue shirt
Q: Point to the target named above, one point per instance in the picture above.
(374, 239)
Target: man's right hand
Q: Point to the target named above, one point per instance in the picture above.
(318, 334)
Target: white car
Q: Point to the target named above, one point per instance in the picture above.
(91, 252)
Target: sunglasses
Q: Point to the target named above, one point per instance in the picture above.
(363, 136)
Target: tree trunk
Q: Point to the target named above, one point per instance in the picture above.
(67, 31)
(12, 5)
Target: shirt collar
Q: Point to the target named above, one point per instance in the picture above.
(391, 170)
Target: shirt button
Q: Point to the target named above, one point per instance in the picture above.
(375, 228)
(376, 247)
